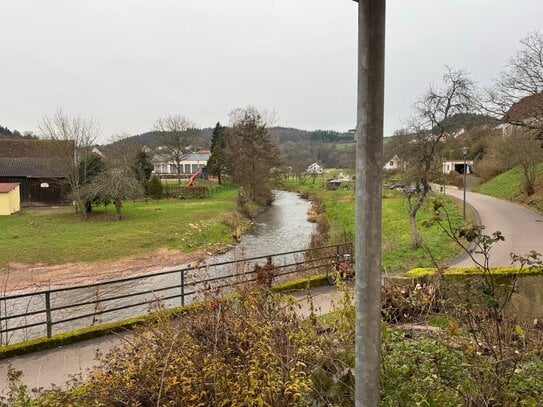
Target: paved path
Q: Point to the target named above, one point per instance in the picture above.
(522, 227)
(56, 366)
(523, 230)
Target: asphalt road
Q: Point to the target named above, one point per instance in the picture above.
(521, 227)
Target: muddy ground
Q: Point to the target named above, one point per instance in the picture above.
(19, 276)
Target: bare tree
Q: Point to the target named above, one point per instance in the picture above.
(297, 156)
(250, 153)
(525, 152)
(83, 133)
(122, 150)
(176, 133)
(521, 77)
(429, 126)
(114, 185)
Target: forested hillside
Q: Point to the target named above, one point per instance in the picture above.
(7, 133)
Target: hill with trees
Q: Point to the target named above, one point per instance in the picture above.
(7, 133)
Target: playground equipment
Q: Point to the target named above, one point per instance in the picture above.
(199, 173)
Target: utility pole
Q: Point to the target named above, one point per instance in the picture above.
(369, 167)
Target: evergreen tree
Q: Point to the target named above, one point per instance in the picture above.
(217, 160)
(216, 164)
(218, 136)
(143, 168)
(153, 187)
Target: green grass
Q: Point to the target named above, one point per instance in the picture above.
(397, 254)
(508, 185)
(58, 235)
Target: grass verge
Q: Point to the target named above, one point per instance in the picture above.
(397, 253)
(59, 236)
(508, 185)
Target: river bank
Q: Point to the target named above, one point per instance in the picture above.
(281, 227)
(337, 207)
(26, 277)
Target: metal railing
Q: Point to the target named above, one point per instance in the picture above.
(46, 312)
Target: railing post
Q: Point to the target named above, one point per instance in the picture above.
(182, 288)
(48, 320)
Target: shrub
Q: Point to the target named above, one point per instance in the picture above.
(153, 187)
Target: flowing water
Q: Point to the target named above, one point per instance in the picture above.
(281, 228)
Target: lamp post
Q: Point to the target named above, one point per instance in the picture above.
(369, 169)
(465, 153)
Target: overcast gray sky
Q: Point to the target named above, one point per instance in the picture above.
(128, 62)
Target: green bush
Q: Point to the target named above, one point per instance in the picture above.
(153, 187)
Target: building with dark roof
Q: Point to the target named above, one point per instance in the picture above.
(526, 114)
(527, 108)
(39, 166)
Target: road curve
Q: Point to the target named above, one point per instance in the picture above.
(521, 227)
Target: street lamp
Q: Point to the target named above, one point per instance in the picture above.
(465, 153)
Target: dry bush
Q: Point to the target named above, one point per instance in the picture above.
(249, 350)
(455, 179)
(410, 301)
(489, 167)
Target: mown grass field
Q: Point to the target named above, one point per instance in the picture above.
(397, 254)
(508, 185)
(59, 236)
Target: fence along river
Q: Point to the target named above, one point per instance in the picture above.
(283, 228)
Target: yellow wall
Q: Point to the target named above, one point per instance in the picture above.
(10, 202)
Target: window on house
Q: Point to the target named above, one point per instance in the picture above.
(391, 163)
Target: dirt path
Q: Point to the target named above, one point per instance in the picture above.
(19, 276)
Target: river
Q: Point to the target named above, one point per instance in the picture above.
(283, 227)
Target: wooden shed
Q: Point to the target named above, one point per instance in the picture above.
(38, 166)
(10, 198)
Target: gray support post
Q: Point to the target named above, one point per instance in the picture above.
(182, 288)
(369, 166)
(48, 320)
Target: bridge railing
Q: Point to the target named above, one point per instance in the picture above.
(46, 312)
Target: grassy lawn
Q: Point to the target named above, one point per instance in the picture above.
(508, 185)
(58, 235)
(397, 254)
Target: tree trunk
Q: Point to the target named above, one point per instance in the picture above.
(416, 239)
(529, 179)
(415, 235)
(118, 205)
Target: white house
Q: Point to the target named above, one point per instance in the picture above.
(189, 165)
(458, 166)
(314, 169)
(395, 163)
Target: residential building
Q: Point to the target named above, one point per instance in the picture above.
(315, 168)
(527, 113)
(457, 165)
(189, 165)
(395, 163)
